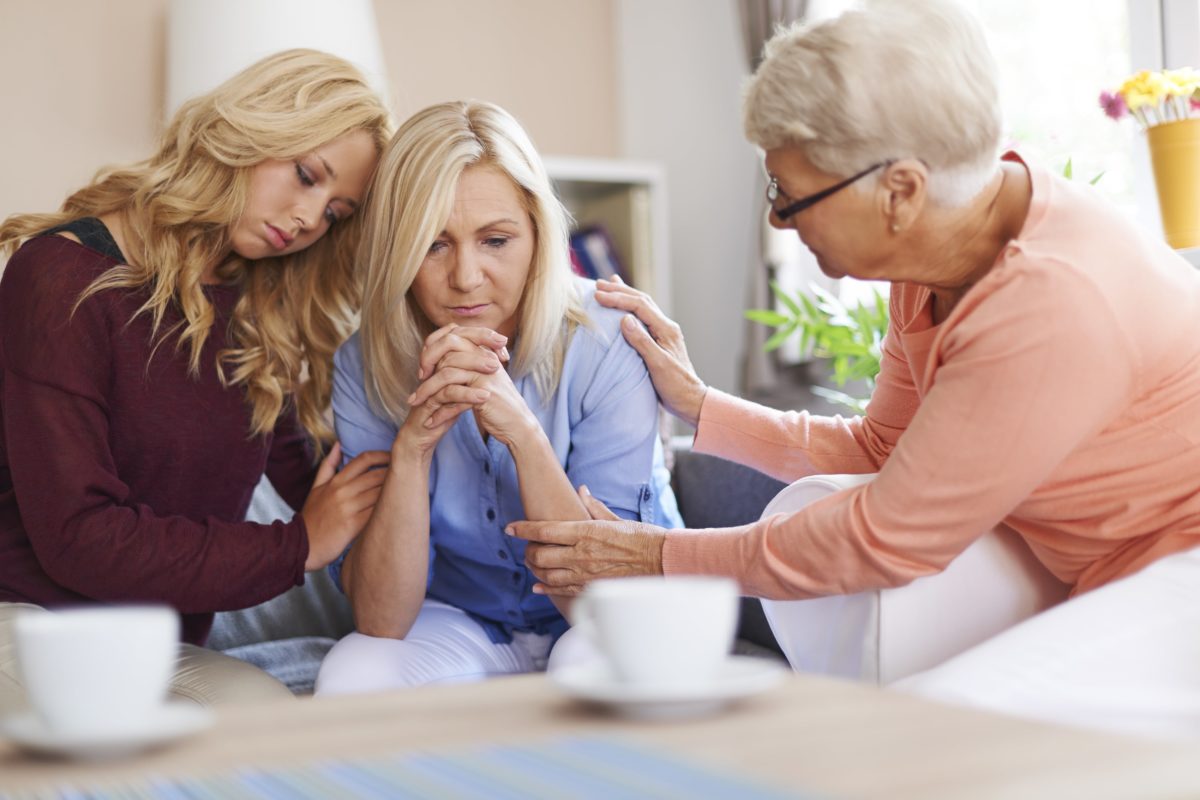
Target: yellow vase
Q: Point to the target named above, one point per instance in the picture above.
(1175, 154)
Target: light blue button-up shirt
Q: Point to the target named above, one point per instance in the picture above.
(602, 423)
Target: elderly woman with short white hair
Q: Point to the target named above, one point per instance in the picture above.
(1041, 370)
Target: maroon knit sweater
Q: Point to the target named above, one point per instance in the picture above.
(122, 478)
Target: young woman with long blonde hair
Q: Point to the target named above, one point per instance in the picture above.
(465, 256)
(165, 338)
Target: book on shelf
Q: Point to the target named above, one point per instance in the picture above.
(594, 256)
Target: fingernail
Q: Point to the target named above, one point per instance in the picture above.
(411, 397)
(538, 589)
(421, 374)
(504, 353)
(500, 337)
(429, 422)
(629, 321)
(583, 490)
(509, 530)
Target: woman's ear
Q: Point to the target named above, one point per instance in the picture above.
(902, 193)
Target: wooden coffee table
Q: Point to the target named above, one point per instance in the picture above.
(811, 735)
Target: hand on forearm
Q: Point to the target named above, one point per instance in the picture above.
(566, 556)
(340, 503)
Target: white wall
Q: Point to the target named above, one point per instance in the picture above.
(680, 70)
(84, 85)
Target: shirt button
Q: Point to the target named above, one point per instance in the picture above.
(491, 514)
(516, 577)
(487, 468)
(503, 554)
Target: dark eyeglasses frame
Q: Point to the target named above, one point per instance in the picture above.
(794, 208)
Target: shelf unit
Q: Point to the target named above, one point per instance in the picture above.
(629, 199)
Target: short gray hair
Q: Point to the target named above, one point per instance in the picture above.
(893, 79)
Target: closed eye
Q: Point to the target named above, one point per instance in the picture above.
(304, 175)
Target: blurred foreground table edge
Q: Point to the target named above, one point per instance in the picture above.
(810, 735)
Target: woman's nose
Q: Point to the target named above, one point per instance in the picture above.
(466, 274)
(775, 221)
(309, 212)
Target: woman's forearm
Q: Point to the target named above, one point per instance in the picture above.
(546, 492)
(386, 571)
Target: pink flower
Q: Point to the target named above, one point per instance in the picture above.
(1113, 104)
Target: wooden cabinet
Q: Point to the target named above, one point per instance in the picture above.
(629, 200)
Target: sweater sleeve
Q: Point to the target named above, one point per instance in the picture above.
(87, 532)
(290, 465)
(1034, 368)
(788, 445)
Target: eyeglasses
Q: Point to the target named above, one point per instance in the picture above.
(794, 208)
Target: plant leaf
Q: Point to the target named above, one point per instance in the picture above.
(783, 298)
(780, 337)
(767, 317)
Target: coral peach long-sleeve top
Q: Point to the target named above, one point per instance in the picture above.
(1061, 397)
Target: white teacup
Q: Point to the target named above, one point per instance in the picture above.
(97, 670)
(661, 631)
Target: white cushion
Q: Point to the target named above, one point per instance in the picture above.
(884, 635)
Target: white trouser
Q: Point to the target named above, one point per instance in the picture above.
(1124, 657)
(444, 646)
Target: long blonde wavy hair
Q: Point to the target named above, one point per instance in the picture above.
(178, 208)
(408, 204)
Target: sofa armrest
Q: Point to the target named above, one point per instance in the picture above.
(715, 493)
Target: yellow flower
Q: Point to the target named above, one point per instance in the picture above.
(1154, 98)
(1183, 82)
(1146, 88)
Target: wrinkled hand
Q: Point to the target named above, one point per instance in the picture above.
(461, 366)
(565, 556)
(660, 344)
(340, 503)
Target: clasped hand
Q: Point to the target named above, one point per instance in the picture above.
(463, 368)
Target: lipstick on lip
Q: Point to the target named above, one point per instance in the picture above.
(469, 311)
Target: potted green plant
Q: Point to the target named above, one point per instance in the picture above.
(850, 337)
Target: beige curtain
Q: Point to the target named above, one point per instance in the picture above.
(760, 19)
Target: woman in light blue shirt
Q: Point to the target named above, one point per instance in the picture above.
(466, 261)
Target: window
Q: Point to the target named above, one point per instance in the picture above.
(1054, 59)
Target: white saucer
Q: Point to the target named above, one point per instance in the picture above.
(740, 676)
(173, 721)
